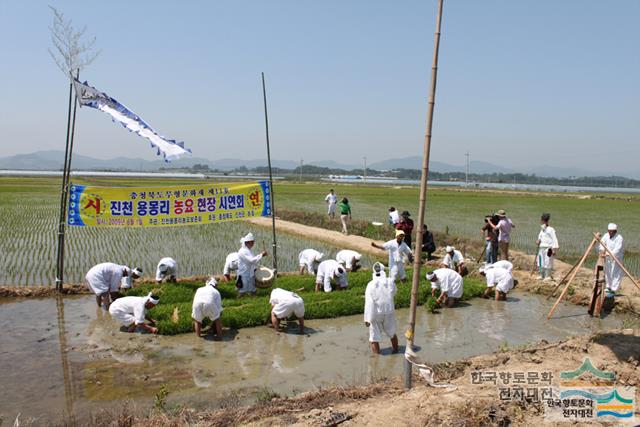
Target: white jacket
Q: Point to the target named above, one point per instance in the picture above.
(379, 297)
(449, 281)
(247, 262)
(548, 238)
(396, 251)
(105, 277)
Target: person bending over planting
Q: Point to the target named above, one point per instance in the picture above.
(283, 305)
(167, 269)
(132, 312)
(105, 281)
(499, 278)
(397, 248)
(230, 264)
(308, 260)
(450, 284)
(328, 271)
(454, 260)
(379, 309)
(207, 303)
(350, 259)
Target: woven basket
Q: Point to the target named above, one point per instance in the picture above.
(264, 277)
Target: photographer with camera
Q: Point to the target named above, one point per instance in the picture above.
(490, 235)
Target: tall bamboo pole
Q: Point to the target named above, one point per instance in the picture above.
(273, 206)
(417, 260)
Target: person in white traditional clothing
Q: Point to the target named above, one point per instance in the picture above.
(507, 265)
(230, 264)
(397, 249)
(331, 200)
(547, 248)
(454, 260)
(498, 278)
(612, 271)
(394, 216)
(207, 303)
(132, 312)
(331, 270)
(308, 261)
(106, 279)
(283, 305)
(450, 284)
(350, 259)
(247, 265)
(167, 269)
(379, 309)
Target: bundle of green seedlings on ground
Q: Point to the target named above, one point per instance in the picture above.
(173, 314)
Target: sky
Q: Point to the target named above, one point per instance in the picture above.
(520, 83)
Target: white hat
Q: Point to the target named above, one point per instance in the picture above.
(137, 272)
(482, 269)
(431, 276)
(449, 249)
(212, 281)
(612, 226)
(358, 256)
(378, 270)
(154, 299)
(319, 256)
(248, 238)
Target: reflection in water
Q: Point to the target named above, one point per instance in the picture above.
(66, 370)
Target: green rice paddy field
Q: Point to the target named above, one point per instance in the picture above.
(29, 208)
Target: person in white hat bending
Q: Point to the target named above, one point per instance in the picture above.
(230, 264)
(167, 269)
(207, 303)
(379, 309)
(500, 264)
(247, 264)
(350, 259)
(454, 260)
(283, 305)
(612, 271)
(450, 284)
(308, 261)
(132, 312)
(547, 248)
(498, 278)
(331, 270)
(105, 281)
(397, 248)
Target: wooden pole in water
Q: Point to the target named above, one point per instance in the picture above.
(273, 206)
(573, 275)
(417, 258)
(597, 237)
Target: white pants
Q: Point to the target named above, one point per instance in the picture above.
(284, 310)
(202, 310)
(248, 284)
(125, 318)
(545, 262)
(612, 274)
(344, 218)
(382, 323)
(331, 209)
(396, 272)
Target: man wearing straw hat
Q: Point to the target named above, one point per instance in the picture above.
(397, 248)
(329, 270)
(612, 271)
(132, 312)
(283, 304)
(207, 303)
(247, 264)
(504, 233)
(106, 279)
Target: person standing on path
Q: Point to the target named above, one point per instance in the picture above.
(406, 225)
(331, 200)
(504, 233)
(547, 248)
(612, 271)
(247, 264)
(345, 214)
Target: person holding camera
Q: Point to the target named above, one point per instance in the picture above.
(491, 238)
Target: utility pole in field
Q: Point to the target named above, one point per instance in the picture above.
(365, 169)
(466, 175)
(301, 160)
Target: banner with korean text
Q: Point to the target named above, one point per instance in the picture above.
(167, 206)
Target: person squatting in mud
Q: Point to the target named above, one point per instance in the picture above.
(450, 284)
(283, 304)
(131, 312)
(499, 280)
(106, 279)
(207, 303)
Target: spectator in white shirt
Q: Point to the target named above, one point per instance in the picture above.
(547, 248)
(331, 200)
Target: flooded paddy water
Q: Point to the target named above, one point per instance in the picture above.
(66, 355)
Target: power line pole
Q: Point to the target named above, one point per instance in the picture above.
(273, 207)
(365, 169)
(417, 253)
(466, 175)
(301, 160)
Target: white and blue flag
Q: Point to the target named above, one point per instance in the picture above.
(91, 97)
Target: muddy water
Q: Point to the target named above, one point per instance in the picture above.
(69, 356)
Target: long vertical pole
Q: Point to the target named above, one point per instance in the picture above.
(466, 175)
(417, 261)
(365, 169)
(273, 206)
(301, 171)
(63, 197)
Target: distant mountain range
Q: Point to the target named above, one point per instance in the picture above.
(52, 160)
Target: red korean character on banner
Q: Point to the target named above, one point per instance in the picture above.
(188, 206)
(255, 198)
(93, 203)
(178, 207)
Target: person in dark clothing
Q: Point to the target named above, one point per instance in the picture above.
(406, 225)
(491, 238)
(428, 244)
